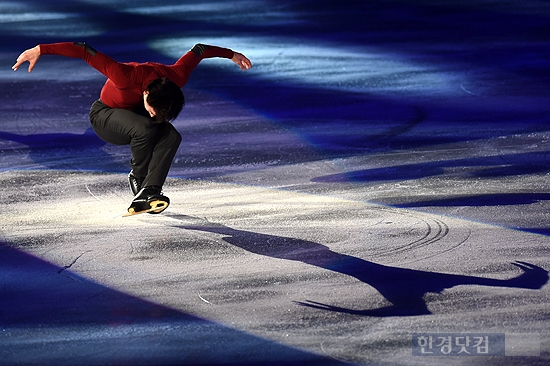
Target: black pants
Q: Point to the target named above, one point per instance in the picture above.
(153, 145)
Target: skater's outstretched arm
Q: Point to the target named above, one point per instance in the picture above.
(181, 70)
(121, 74)
(207, 51)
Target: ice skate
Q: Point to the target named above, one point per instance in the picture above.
(135, 183)
(148, 200)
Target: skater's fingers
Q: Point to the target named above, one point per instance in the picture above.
(15, 66)
(246, 63)
(31, 65)
(18, 63)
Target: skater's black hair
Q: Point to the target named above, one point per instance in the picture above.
(166, 98)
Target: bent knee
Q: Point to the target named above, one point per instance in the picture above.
(173, 135)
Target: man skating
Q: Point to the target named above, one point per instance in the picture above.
(136, 105)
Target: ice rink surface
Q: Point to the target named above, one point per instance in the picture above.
(380, 175)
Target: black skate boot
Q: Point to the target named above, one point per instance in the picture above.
(149, 199)
(135, 183)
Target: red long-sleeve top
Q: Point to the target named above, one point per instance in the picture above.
(127, 81)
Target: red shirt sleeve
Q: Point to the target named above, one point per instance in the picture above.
(181, 70)
(122, 75)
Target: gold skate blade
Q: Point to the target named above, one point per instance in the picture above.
(156, 206)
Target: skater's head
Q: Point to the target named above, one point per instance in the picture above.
(163, 99)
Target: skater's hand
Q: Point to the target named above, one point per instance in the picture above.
(32, 55)
(241, 60)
